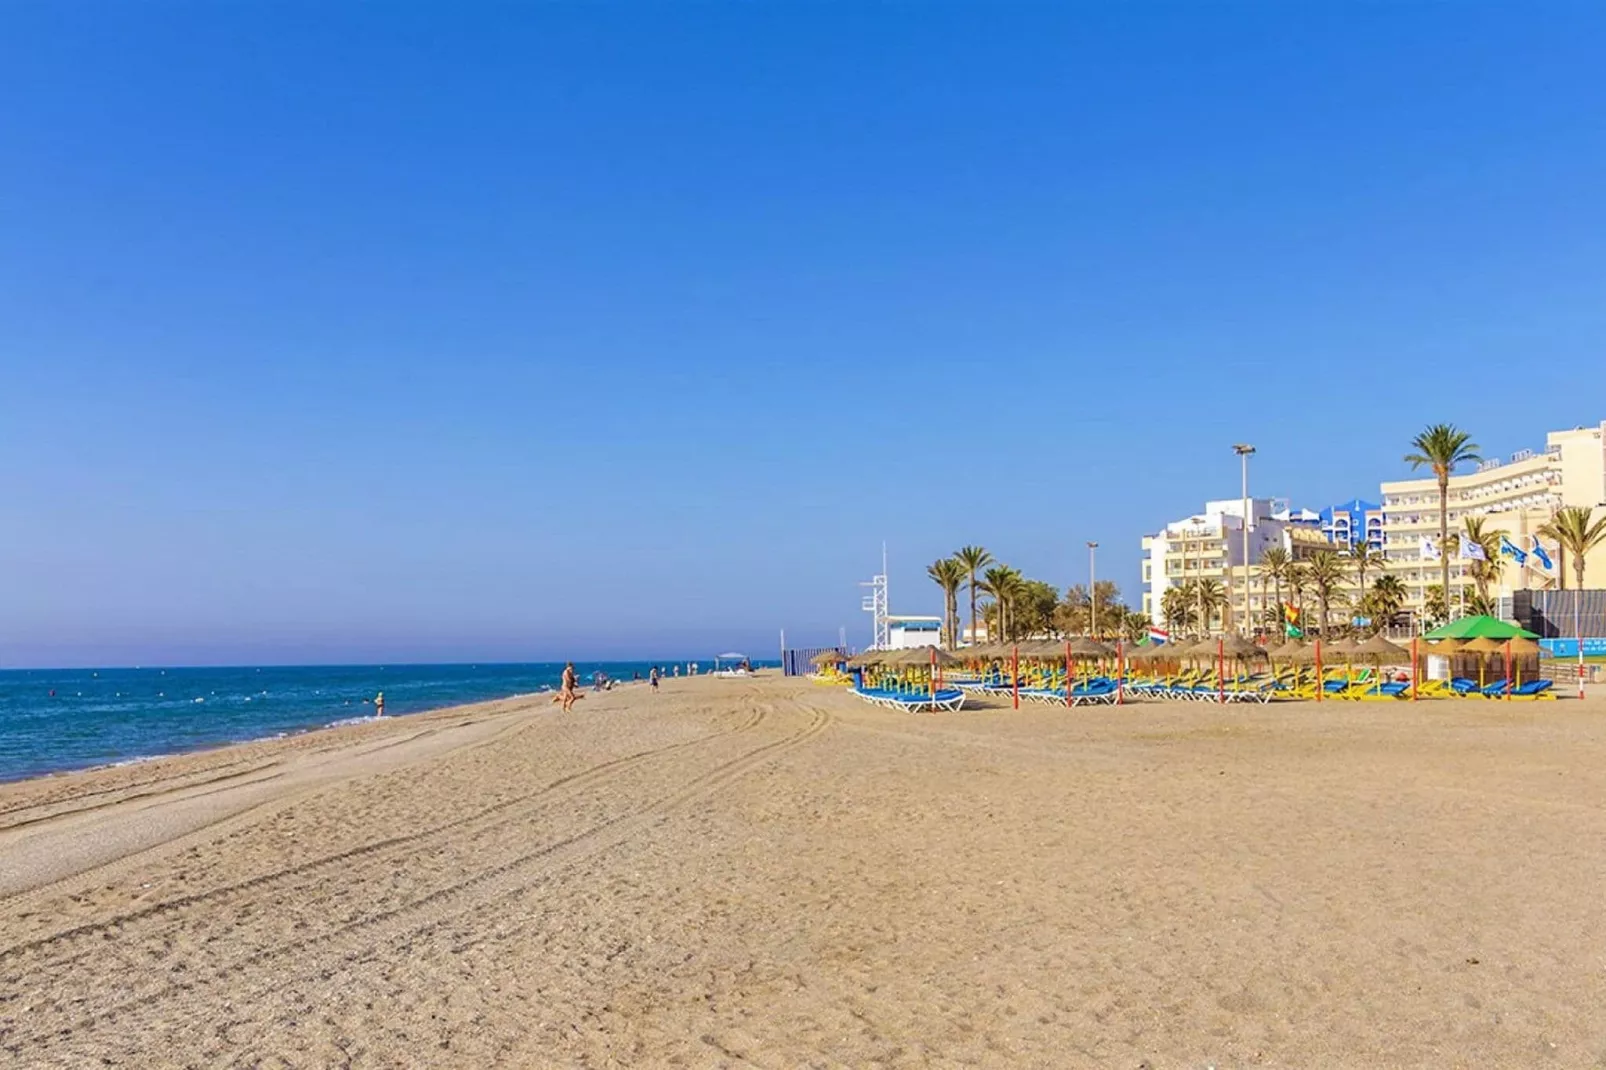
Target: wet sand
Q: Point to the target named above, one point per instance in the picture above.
(772, 874)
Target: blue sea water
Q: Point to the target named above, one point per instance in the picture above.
(58, 719)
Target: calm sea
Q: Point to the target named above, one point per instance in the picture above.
(56, 719)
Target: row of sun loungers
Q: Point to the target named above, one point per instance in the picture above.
(944, 700)
(1102, 690)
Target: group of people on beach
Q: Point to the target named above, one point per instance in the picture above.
(569, 690)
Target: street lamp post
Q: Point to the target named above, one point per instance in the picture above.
(1092, 591)
(1244, 452)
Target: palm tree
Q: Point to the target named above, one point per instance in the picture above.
(1002, 582)
(1013, 589)
(1435, 606)
(1548, 530)
(1578, 534)
(1212, 598)
(1298, 578)
(949, 575)
(1384, 600)
(1326, 570)
(1134, 626)
(1176, 604)
(1442, 447)
(1361, 558)
(1274, 564)
(974, 559)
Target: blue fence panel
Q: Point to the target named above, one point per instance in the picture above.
(1568, 648)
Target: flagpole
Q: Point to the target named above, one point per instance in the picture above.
(1414, 670)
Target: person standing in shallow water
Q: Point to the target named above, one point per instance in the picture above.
(379, 704)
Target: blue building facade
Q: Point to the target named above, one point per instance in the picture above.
(1354, 522)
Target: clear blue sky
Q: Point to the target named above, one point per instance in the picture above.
(425, 331)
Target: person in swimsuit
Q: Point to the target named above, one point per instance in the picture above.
(570, 690)
(379, 704)
(652, 679)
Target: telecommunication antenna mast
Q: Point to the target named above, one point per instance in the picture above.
(875, 604)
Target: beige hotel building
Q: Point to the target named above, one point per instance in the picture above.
(1517, 496)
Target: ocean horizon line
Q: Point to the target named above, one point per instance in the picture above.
(57, 720)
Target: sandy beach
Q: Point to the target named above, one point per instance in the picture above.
(769, 873)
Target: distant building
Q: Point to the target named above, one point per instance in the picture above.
(1514, 497)
(906, 632)
(1517, 496)
(1210, 545)
(1356, 521)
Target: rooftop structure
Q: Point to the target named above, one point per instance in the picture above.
(906, 632)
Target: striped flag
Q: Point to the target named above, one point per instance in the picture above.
(1159, 636)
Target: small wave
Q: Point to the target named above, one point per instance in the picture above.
(352, 720)
(138, 759)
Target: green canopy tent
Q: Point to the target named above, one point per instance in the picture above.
(1482, 627)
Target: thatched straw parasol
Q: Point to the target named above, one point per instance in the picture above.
(1524, 647)
(1039, 649)
(1290, 650)
(866, 658)
(1238, 647)
(1199, 648)
(1084, 647)
(1339, 647)
(922, 655)
(1380, 649)
(1483, 646)
(1304, 654)
(827, 657)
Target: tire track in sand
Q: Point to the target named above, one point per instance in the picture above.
(567, 784)
(346, 944)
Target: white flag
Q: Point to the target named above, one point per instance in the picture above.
(1471, 551)
(1430, 552)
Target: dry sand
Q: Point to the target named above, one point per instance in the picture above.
(772, 874)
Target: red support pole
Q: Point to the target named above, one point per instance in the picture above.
(1508, 669)
(1414, 670)
(1320, 685)
(1067, 674)
(1120, 673)
(1014, 673)
(1221, 673)
(933, 678)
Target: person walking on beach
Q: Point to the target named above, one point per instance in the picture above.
(652, 679)
(379, 704)
(569, 690)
